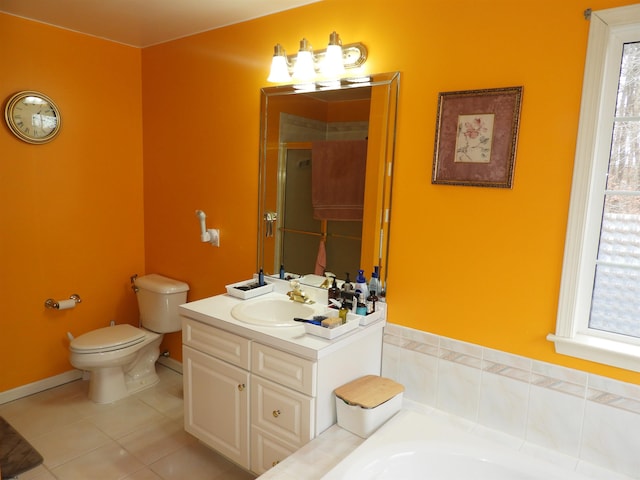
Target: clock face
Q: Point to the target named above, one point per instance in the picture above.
(32, 117)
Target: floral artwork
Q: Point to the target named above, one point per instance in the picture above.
(476, 137)
(473, 143)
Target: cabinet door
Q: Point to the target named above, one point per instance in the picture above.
(216, 404)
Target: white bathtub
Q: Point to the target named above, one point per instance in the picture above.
(414, 446)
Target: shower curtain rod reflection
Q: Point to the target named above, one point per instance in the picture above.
(317, 234)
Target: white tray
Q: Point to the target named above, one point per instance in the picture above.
(373, 317)
(245, 294)
(330, 333)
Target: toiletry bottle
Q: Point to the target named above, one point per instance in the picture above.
(346, 286)
(261, 278)
(361, 284)
(374, 283)
(372, 299)
(282, 272)
(361, 308)
(348, 301)
(342, 313)
(334, 291)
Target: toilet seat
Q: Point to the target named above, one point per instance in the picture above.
(108, 339)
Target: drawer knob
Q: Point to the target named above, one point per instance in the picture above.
(276, 413)
(241, 387)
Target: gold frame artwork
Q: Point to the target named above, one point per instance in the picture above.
(476, 137)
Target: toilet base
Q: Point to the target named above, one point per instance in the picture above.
(110, 384)
(107, 385)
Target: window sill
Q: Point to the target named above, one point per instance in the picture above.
(600, 350)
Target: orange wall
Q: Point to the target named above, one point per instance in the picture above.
(480, 265)
(477, 264)
(71, 212)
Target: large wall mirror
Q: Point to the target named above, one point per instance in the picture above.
(326, 161)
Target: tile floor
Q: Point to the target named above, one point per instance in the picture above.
(138, 438)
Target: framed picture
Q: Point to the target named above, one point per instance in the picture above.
(476, 137)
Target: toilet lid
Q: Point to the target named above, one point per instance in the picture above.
(107, 339)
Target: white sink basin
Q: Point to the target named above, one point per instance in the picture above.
(273, 312)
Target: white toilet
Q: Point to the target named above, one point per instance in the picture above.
(122, 359)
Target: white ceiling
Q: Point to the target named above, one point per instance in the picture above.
(141, 23)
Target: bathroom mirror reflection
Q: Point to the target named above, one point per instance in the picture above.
(326, 160)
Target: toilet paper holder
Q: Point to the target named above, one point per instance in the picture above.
(56, 304)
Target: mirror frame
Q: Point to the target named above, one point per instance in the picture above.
(382, 126)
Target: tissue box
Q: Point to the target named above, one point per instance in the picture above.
(365, 404)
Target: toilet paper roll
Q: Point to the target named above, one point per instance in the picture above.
(66, 304)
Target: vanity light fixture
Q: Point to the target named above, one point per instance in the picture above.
(307, 66)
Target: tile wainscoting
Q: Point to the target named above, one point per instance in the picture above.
(589, 420)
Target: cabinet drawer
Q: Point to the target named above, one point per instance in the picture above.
(267, 451)
(284, 368)
(223, 345)
(277, 410)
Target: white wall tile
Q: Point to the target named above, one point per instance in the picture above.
(611, 438)
(583, 419)
(554, 420)
(504, 404)
(419, 375)
(458, 389)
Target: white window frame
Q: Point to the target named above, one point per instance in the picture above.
(608, 32)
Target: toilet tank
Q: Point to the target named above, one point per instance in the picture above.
(158, 300)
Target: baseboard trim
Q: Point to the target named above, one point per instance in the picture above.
(39, 386)
(171, 363)
(66, 377)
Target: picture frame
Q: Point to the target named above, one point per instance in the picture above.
(476, 137)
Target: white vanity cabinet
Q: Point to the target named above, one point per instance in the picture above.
(258, 395)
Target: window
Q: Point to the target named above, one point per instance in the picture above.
(599, 308)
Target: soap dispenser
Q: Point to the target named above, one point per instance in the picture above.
(361, 284)
(374, 283)
(346, 286)
(334, 291)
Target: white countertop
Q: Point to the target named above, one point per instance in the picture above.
(216, 311)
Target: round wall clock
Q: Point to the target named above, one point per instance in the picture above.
(32, 117)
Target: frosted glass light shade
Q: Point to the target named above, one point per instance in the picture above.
(304, 70)
(333, 65)
(279, 70)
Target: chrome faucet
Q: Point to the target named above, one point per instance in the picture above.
(297, 294)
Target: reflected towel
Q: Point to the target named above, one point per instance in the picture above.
(321, 258)
(337, 179)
